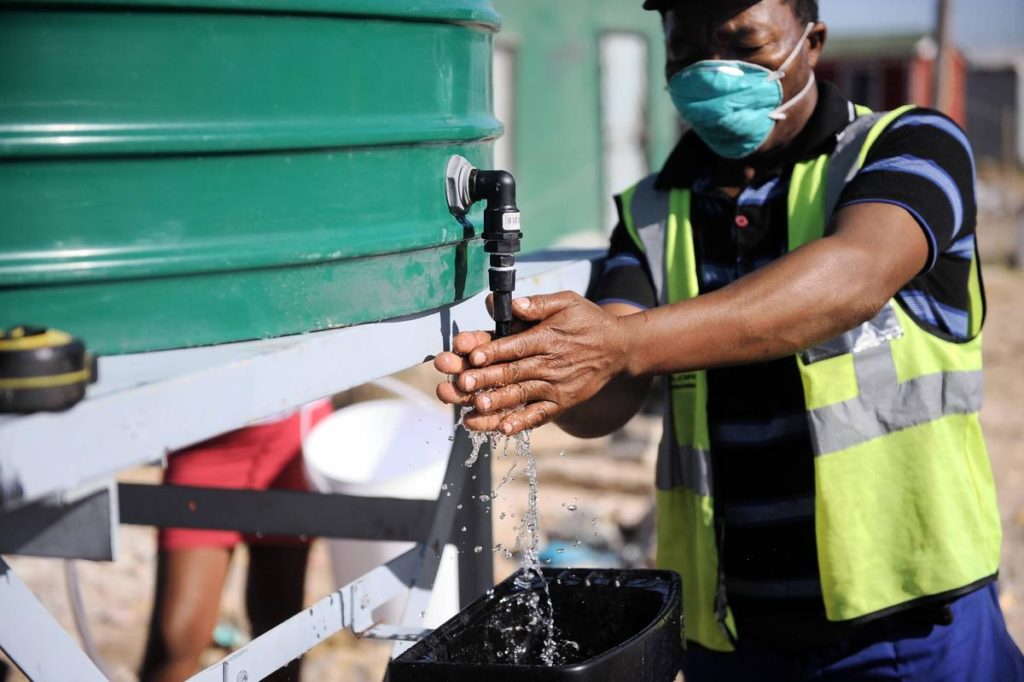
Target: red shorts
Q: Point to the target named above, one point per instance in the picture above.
(265, 456)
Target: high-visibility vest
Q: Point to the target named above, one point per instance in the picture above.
(905, 504)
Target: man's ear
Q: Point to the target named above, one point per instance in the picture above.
(817, 39)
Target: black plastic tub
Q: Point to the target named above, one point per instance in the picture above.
(626, 624)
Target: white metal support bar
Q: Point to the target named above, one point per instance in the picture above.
(34, 640)
(349, 607)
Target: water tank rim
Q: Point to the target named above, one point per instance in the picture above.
(479, 14)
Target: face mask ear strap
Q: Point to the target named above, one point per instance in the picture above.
(780, 113)
(780, 73)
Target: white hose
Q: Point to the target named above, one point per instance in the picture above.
(404, 390)
(73, 584)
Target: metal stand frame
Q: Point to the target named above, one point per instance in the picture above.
(57, 497)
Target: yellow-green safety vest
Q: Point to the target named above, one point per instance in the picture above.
(905, 504)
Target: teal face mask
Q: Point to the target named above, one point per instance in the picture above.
(734, 105)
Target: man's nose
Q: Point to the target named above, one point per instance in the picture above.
(672, 67)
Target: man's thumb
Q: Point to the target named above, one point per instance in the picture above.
(536, 308)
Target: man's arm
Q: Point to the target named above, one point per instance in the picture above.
(819, 291)
(575, 349)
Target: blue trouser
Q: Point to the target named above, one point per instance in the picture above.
(976, 647)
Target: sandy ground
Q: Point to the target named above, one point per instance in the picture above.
(1004, 430)
(609, 483)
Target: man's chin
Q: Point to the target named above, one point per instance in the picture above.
(766, 154)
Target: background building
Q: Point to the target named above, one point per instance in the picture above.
(884, 71)
(995, 106)
(579, 85)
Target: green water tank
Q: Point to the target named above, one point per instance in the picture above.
(186, 172)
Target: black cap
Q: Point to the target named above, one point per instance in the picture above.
(669, 4)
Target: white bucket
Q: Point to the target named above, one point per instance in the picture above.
(385, 448)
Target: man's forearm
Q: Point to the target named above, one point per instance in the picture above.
(809, 296)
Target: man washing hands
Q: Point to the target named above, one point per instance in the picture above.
(573, 350)
(804, 273)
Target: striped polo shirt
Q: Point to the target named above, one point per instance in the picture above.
(762, 459)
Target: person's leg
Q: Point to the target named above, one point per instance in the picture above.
(750, 661)
(274, 591)
(192, 564)
(185, 611)
(975, 646)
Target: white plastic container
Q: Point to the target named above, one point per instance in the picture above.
(385, 448)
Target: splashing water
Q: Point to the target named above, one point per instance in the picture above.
(530, 611)
(477, 438)
(529, 541)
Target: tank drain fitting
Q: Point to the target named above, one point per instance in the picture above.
(466, 185)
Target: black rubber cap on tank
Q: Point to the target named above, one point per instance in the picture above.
(42, 370)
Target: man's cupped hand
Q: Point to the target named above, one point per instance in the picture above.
(568, 350)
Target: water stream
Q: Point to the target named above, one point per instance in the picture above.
(529, 630)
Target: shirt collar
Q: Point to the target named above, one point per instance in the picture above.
(687, 162)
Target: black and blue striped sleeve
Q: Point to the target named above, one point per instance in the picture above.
(624, 276)
(923, 163)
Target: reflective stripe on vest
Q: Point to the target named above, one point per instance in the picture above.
(904, 503)
(886, 405)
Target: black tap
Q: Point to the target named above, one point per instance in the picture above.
(466, 185)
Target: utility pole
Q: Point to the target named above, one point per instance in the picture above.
(943, 58)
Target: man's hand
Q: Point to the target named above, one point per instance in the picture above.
(573, 349)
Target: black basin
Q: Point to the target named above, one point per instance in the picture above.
(626, 623)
